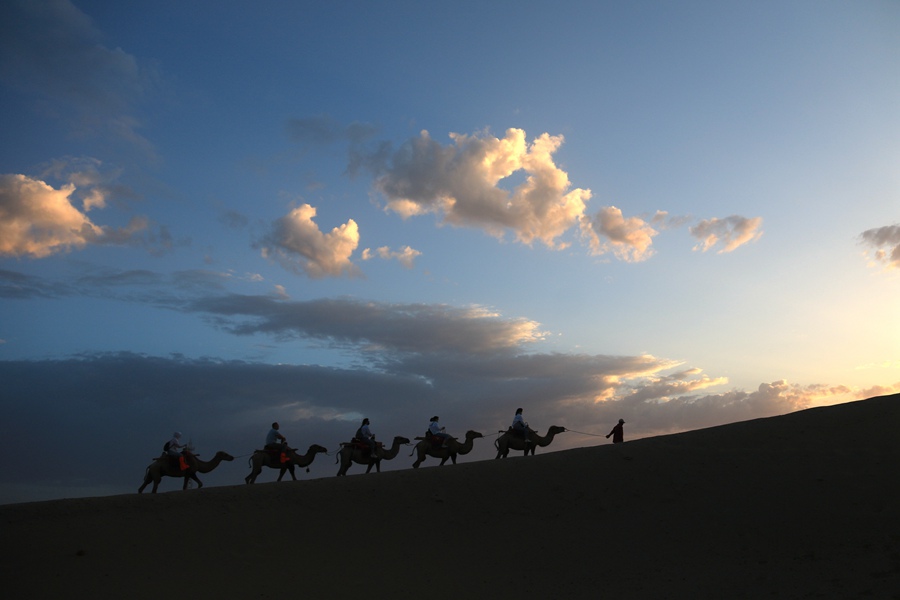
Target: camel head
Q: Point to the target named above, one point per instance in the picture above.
(473, 434)
(316, 449)
(401, 440)
(224, 455)
(555, 429)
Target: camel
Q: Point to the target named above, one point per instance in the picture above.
(162, 466)
(349, 454)
(508, 441)
(424, 447)
(262, 458)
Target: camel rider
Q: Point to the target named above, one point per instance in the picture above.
(519, 426)
(173, 450)
(173, 447)
(274, 440)
(365, 435)
(435, 429)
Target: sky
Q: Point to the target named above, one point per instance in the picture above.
(216, 215)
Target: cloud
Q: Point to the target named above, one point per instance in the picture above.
(663, 220)
(370, 327)
(628, 239)
(52, 51)
(682, 382)
(95, 184)
(732, 232)
(323, 129)
(405, 256)
(886, 242)
(298, 245)
(693, 412)
(461, 183)
(38, 220)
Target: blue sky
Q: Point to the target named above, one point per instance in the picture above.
(216, 215)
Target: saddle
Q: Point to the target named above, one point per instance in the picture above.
(178, 462)
(276, 454)
(436, 442)
(361, 445)
(519, 433)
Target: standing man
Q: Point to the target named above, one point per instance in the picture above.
(617, 432)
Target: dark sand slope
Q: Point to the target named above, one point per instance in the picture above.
(805, 505)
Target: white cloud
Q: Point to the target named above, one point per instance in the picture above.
(297, 243)
(628, 239)
(886, 242)
(405, 256)
(732, 232)
(462, 183)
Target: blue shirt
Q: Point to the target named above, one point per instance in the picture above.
(273, 437)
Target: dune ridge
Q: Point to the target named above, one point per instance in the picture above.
(797, 506)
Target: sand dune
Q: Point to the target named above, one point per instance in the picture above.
(799, 506)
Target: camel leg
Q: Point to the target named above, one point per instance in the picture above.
(251, 478)
(345, 465)
(288, 468)
(195, 478)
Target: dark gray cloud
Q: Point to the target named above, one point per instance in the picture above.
(324, 129)
(371, 326)
(51, 51)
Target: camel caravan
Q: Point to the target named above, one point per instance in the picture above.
(179, 460)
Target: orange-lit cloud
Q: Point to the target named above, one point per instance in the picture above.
(38, 220)
(628, 239)
(886, 244)
(731, 232)
(297, 243)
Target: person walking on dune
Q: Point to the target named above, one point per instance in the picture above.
(617, 432)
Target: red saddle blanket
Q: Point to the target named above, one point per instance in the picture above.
(178, 462)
